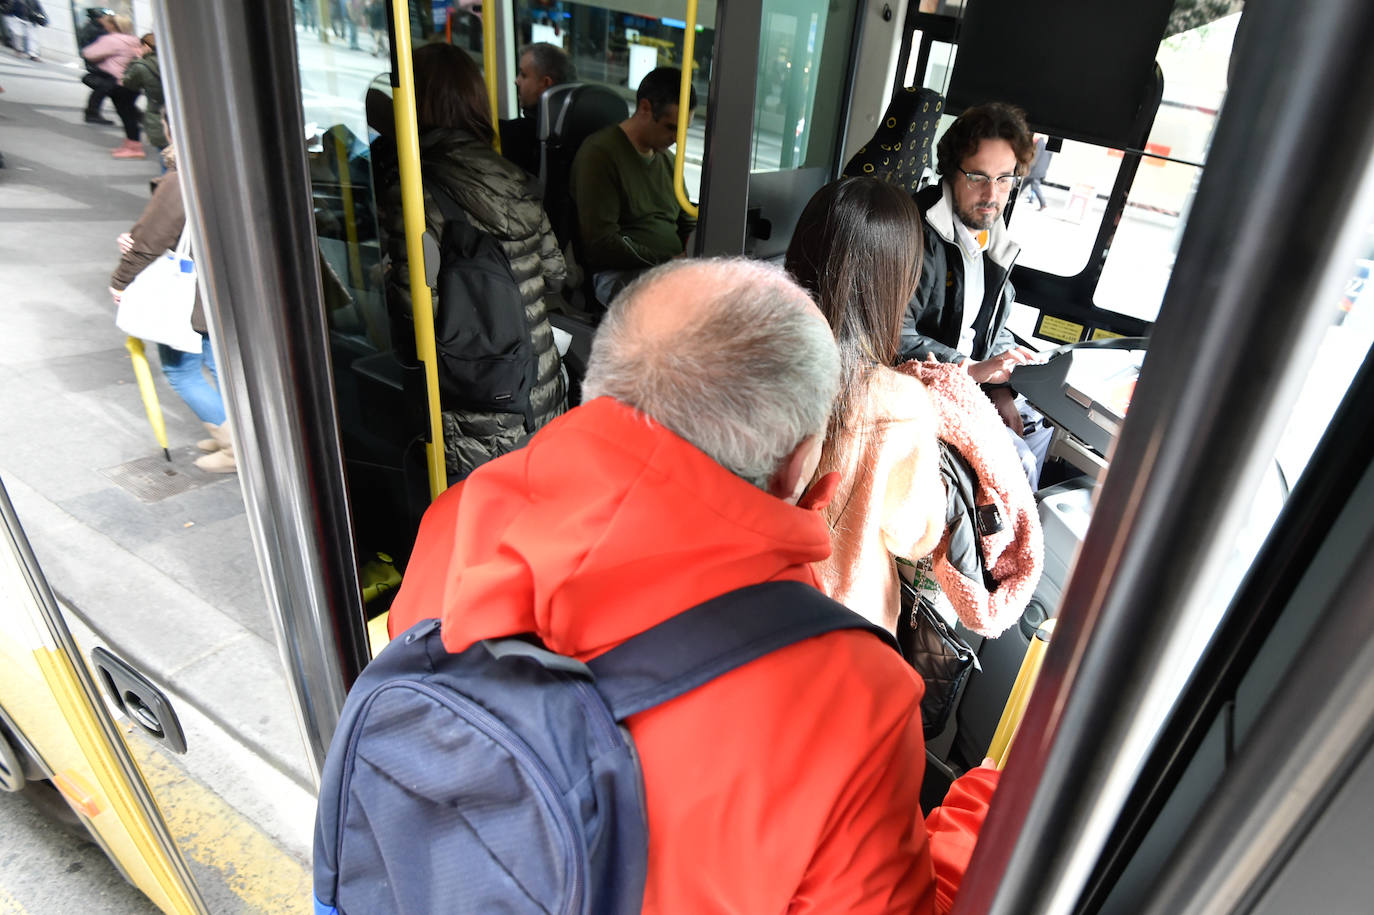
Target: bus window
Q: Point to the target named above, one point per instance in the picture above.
(939, 66)
(1141, 257)
(1058, 237)
(801, 46)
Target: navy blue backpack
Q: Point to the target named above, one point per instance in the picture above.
(499, 779)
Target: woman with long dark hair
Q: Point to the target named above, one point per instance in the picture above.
(857, 249)
(457, 160)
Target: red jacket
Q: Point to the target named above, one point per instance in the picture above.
(788, 785)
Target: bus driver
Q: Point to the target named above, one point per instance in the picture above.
(960, 309)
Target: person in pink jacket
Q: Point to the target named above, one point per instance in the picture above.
(857, 250)
(113, 52)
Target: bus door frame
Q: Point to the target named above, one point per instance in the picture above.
(249, 206)
(1241, 320)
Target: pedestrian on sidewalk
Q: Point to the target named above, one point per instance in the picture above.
(26, 18)
(99, 22)
(114, 52)
(156, 231)
(145, 75)
(1040, 167)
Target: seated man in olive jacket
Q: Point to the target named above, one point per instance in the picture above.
(628, 216)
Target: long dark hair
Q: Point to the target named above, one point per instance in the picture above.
(450, 91)
(857, 250)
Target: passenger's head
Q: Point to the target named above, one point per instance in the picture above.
(656, 107)
(149, 43)
(450, 91)
(730, 355)
(540, 66)
(981, 156)
(857, 250)
(123, 24)
(381, 114)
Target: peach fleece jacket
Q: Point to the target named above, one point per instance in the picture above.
(891, 501)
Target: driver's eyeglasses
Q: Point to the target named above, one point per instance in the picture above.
(977, 180)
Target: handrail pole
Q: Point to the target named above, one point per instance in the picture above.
(489, 69)
(684, 97)
(413, 207)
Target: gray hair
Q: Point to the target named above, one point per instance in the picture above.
(752, 375)
(551, 61)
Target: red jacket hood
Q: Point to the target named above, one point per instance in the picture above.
(603, 525)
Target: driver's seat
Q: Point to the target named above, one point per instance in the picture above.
(901, 149)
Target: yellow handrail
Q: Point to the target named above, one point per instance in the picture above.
(684, 98)
(413, 206)
(1010, 722)
(355, 258)
(489, 68)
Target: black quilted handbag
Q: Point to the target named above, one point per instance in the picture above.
(939, 655)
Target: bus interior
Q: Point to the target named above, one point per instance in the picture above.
(1194, 281)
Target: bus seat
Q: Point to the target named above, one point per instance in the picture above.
(568, 114)
(901, 149)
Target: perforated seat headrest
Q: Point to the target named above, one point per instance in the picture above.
(901, 147)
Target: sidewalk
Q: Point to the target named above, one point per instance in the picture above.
(161, 568)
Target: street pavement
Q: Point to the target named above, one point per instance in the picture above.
(45, 868)
(161, 567)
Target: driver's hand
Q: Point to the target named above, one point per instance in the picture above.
(1005, 402)
(997, 370)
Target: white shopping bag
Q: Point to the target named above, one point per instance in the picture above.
(157, 305)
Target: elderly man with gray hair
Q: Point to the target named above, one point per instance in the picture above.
(540, 66)
(791, 783)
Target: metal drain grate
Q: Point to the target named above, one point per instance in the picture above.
(152, 479)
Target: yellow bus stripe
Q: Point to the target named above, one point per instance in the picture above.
(213, 834)
(109, 773)
(10, 906)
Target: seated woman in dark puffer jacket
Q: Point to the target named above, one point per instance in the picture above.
(457, 158)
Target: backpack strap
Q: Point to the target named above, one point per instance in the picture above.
(698, 645)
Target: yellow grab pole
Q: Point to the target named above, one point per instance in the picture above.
(355, 265)
(151, 405)
(413, 206)
(489, 68)
(684, 98)
(1015, 708)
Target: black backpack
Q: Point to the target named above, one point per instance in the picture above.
(483, 338)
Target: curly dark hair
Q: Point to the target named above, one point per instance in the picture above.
(993, 121)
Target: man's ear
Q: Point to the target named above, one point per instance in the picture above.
(644, 108)
(796, 470)
(545, 83)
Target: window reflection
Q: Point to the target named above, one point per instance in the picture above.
(342, 51)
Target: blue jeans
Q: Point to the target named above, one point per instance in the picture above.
(184, 375)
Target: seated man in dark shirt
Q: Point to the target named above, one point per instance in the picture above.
(628, 215)
(541, 66)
